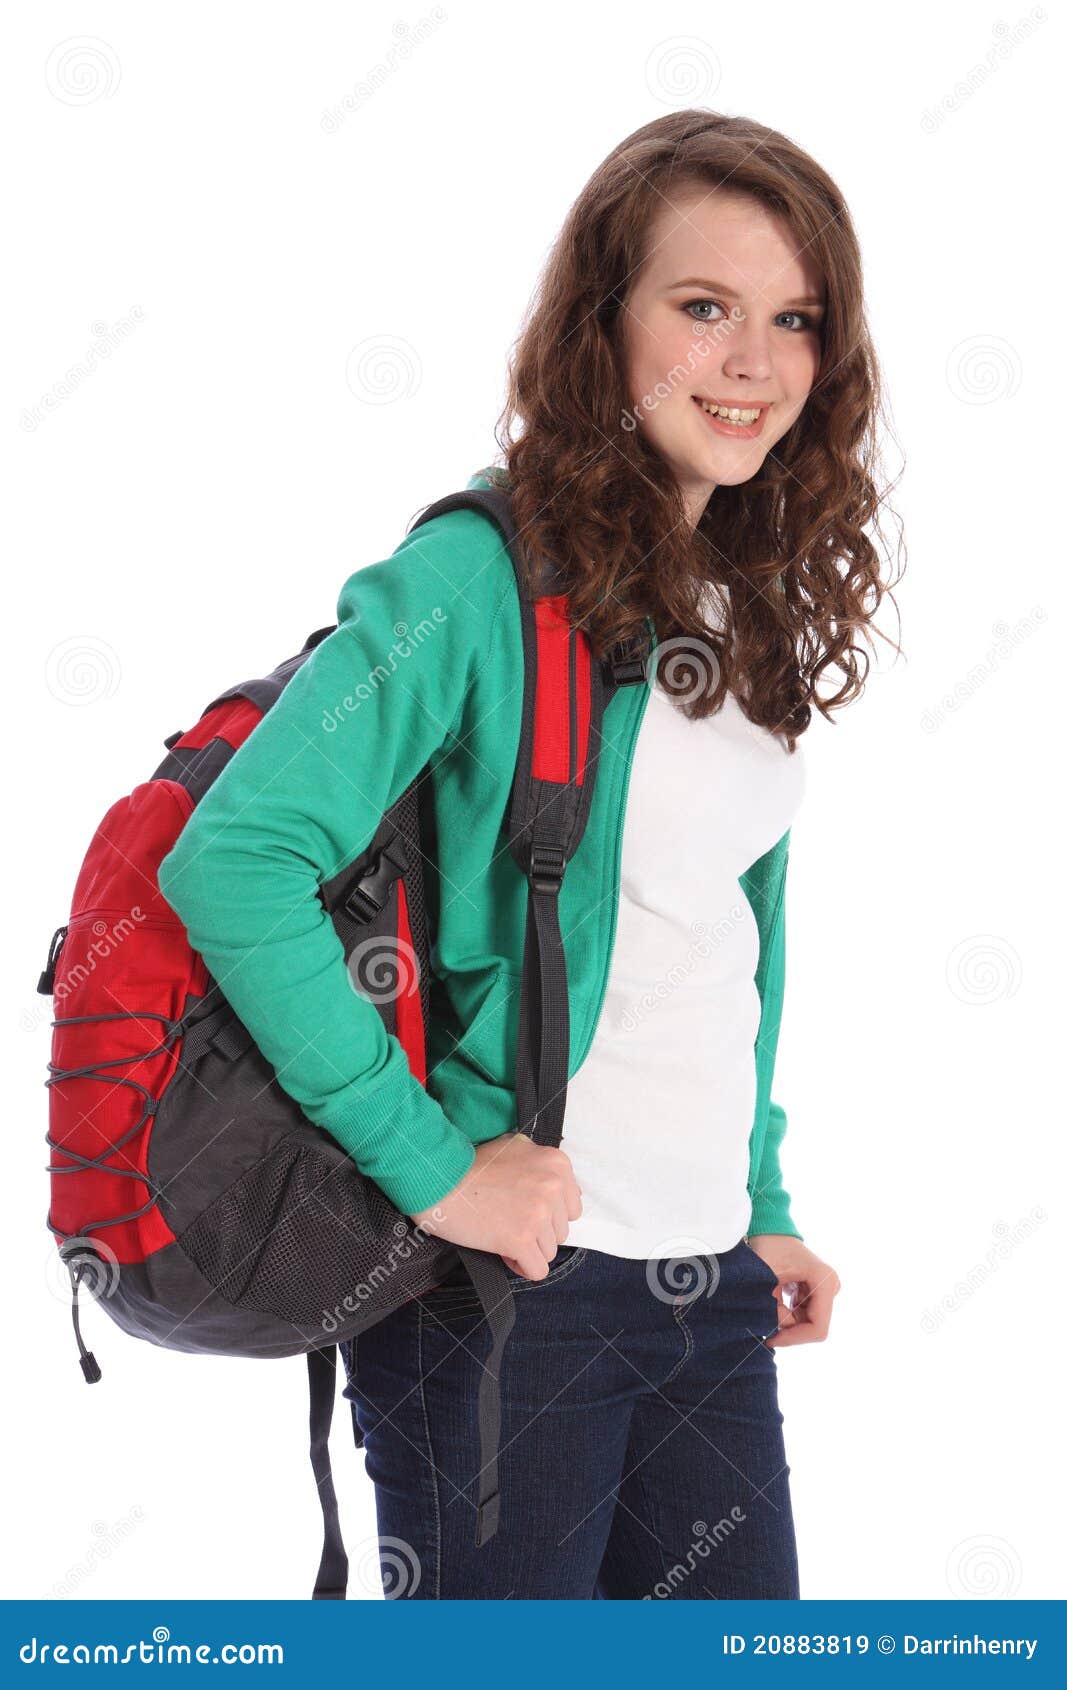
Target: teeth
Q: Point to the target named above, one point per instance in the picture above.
(730, 413)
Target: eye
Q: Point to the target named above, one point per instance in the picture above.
(802, 319)
(715, 306)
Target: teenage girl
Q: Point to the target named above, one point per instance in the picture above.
(697, 391)
(689, 436)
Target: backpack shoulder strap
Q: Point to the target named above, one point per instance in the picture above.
(565, 693)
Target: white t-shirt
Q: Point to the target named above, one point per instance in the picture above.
(659, 1115)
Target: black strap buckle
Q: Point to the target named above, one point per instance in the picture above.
(626, 663)
(368, 897)
(547, 863)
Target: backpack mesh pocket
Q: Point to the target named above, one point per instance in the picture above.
(305, 1237)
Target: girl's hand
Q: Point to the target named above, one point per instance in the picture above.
(517, 1199)
(813, 1284)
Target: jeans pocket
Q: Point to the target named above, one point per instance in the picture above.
(457, 1299)
(765, 1268)
(566, 1260)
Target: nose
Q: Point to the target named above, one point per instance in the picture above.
(748, 352)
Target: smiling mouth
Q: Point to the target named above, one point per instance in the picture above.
(745, 421)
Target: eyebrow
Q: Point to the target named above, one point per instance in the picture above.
(731, 293)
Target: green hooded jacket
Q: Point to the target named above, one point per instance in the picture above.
(424, 668)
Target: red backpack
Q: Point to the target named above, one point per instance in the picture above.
(189, 1192)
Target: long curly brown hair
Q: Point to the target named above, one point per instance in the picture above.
(791, 544)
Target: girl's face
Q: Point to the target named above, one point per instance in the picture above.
(725, 310)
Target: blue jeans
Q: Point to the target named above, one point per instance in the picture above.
(641, 1450)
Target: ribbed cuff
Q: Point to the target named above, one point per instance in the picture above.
(769, 1215)
(401, 1138)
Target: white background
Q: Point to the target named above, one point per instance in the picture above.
(186, 514)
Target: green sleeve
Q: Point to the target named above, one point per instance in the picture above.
(770, 1199)
(770, 1202)
(302, 797)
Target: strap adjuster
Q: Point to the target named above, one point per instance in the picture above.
(547, 863)
(627, 664)
(368, 897)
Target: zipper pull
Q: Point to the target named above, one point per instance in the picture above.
(47, 982)
(89, 1365)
